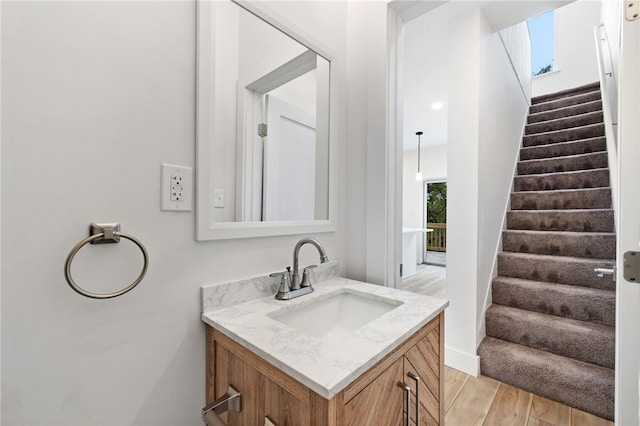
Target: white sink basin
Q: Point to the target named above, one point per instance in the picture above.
(336, 315)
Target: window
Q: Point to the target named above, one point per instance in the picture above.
(542, 34)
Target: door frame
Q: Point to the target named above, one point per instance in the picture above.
(425, 184)
(627, 405)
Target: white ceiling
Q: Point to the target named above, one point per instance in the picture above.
(426, 47)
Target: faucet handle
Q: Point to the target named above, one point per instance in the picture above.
(285, 281)
(306, 278)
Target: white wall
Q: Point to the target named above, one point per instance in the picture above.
(97, 95)
(0, 214)
(611, 16)
(367, 142)
(517, 44)
(575, 62)
(462, 192)
(503, 111)
(486, 114)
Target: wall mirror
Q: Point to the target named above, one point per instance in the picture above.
(264, 128)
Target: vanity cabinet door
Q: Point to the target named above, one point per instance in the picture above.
(231, 370)
(283, 408)
(423, 361)
(265, 390)
(380, 402)
(376, 399)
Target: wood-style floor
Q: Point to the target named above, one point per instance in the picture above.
(471, 401)
(428, 280)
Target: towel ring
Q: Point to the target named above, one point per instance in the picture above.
(100, 234)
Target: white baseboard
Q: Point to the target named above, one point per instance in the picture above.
(462, 361)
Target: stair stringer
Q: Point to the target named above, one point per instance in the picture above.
(482, 312)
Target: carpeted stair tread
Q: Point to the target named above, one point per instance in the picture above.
(585, 198)
(579, 179)
(555, 269)
(580, 340)
(592, 245)
(563, 123)
(596, 160)
(565, 102)
(582, 385)
(564, 135)
(567, 93)
(569, 301)
(565, 112)
(551, 327)
(583, 220)
(561, 149)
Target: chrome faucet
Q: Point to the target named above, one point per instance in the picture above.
(291, 285)
(296, 283)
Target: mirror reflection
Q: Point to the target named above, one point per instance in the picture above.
(281, 146)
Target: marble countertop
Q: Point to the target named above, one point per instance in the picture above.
(326, 365)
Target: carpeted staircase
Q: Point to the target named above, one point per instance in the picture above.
(550, 329)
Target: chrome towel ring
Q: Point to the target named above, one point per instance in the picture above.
(100, 234)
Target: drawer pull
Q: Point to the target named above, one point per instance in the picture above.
(407, 395)
(417, 379)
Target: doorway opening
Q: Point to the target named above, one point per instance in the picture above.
(435, 212)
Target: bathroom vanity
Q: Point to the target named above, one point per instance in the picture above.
(350, 353)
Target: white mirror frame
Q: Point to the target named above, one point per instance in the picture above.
(206, 90)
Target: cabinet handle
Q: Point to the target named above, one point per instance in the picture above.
(230, 401)
(417, 379)
(407, 395)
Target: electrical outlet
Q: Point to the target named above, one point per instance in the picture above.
(176, 188)
(176, 193)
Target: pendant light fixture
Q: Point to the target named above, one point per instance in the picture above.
(418, 173)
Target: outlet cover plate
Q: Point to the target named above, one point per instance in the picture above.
(176, 188)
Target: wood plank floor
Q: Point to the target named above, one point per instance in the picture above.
(429, 280)
(479, 401)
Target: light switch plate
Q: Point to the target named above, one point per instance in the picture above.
(176, 188)
(218, 198)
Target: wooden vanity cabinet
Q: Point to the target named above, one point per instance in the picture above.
(374, 398)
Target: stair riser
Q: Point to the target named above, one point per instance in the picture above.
(565, 102)
(564, 123)
(586, 132)
(582, 341)
(564, 112)
(564, 94)
(564, 164)
(569, 271)
(593, 199)
(573, 302)
(585, 386)
(563, 149)
(570, 220)
(541, 242)
(571, 180)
